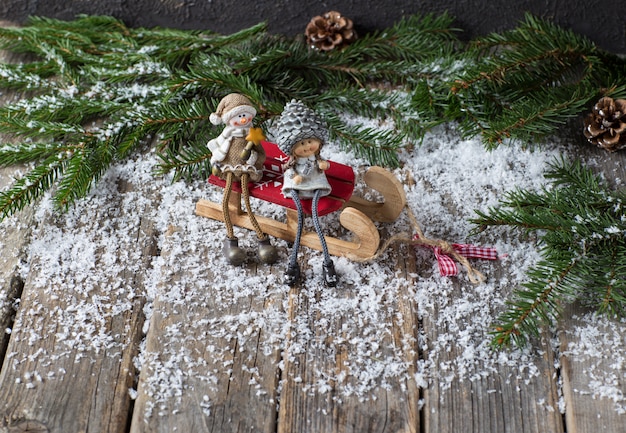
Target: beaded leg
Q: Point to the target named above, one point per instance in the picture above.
(232, 252)
(296, 244)
(318, 227)
(245, 178)
(328, 267)
(227, 189)
(267, 253)
(293, 269)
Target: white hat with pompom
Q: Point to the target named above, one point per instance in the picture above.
(230, 106)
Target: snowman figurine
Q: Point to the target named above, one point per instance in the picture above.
(237, 156)
(301, 135)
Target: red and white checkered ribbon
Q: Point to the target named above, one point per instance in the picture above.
(447, 266)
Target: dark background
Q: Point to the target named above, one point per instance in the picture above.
(604, 22)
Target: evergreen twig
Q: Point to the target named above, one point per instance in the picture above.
(524, 83)
(583, 237)
(100, 90)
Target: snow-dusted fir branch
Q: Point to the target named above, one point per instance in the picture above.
(98, 89)
(523, 84)
(582, 226)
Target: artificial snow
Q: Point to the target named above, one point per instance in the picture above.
(77, 259)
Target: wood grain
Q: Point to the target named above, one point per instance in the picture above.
(215, 349)
(487, 396)
(593, 381)
(69, 362)
(14, 239)
(14, 233)
(314, 397)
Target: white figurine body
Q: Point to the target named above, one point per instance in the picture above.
(301, 135)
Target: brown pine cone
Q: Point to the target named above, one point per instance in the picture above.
(605, 126)
(329, 31)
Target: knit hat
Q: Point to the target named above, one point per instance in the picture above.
(298, 122)
(230, 106)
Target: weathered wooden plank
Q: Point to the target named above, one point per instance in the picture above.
(14, 238)
(467, 386)
(350, 356)
(592, 366)
(69, 363)
(211, 359)
(14, 233)
(470, 388)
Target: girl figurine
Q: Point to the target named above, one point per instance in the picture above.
(301, 135)
(236, 157)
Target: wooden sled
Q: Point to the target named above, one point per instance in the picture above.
(357, 214)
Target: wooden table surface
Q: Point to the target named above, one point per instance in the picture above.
(105, 333)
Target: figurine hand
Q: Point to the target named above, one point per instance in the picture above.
(245, 153)
(297, 180)
(323, 165)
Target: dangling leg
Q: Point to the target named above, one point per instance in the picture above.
(293, 269)
(232, 252)
(328, 267)
(267, 252)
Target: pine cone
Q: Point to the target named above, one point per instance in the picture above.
(329, 31)
(605, 126)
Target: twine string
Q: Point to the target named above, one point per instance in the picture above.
(440, 247)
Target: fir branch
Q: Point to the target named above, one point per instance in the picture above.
(38, 128)
(538, 301)
(31, 187)
(25, 152)
(583, 228)
(365, 142)
(85, 167)
(94, 78)
(61, 107)
(17, 77)
(177, 47)
(526, 82)
(191, 162)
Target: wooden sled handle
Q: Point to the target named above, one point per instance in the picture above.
(390, 188)
(365, 234)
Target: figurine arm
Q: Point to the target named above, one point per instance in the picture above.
(219, 148)
(323, 165)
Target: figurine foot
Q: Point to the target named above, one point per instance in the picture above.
(292, 276)
(235, 255)
(329, 274)
(268, 253)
